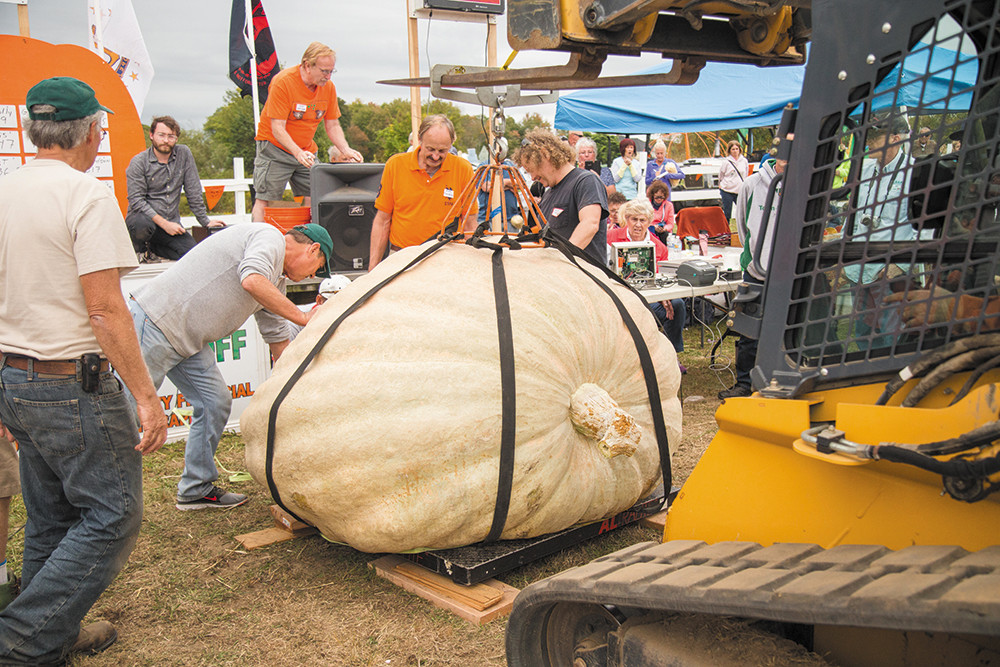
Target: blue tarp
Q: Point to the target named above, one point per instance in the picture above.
(728, 96)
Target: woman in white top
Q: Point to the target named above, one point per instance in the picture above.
(731, 176)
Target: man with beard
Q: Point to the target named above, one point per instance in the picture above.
(155, 178)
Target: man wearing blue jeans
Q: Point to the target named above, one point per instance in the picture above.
(209, 293)
(80, 453)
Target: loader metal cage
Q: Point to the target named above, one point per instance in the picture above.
(886, 243)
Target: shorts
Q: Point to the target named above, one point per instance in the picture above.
(10, 480)
(273, 169)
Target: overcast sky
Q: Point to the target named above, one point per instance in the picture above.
(188, 45)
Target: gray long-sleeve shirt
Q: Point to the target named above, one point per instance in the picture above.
(155, 187)
(201, 298)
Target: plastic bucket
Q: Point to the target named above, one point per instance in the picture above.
(287, 217)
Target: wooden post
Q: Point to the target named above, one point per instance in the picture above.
(411, 38)
(22, 20)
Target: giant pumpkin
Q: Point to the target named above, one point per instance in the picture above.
(390, 439)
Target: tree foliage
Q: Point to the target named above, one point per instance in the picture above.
(231, 127)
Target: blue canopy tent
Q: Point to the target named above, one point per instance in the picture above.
(728, 96)
(725, 96)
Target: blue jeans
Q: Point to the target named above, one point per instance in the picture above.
(728, 199)
(672, 329)
(82, 487)
(199, 379)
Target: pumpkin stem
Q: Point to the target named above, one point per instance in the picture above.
(596, 415)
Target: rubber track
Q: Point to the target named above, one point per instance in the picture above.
(931, 588)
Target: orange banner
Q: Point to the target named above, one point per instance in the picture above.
(213, 193)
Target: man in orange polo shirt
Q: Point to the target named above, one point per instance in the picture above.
(418, 189)
(298, 99)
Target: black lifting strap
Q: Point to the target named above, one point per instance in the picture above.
(645, 359)
(272, 417)
(508, 401)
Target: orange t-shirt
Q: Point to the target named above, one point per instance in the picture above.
(417, 202)
(291, 100)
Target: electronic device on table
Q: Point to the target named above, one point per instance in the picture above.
(697, 273)
(635, 262)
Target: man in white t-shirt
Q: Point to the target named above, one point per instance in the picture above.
(63, 249)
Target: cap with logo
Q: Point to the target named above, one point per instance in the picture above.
(318, 234)
(71, 98)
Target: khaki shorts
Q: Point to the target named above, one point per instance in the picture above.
(10, 480)
(273, 169)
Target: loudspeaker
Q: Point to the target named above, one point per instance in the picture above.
(343, 202)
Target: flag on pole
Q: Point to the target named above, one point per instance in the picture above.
(239, 49)
(115, 36)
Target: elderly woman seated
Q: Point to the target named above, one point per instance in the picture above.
(662, 222)
(635, 216)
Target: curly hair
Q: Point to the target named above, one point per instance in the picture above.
(657, 186)
(543, 146)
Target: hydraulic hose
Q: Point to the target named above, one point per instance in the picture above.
(953, 468)
(921, 366)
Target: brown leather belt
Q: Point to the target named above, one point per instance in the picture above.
(48, 367)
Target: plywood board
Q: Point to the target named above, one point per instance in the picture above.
(289, 522)
(262, 538)
(444, 593)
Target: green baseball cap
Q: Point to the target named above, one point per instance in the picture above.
(71, 97)
(319, 235)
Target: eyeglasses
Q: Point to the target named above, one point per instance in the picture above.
(326, 72)
(167, 137)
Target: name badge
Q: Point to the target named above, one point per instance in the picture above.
(449, 193)
(556, 212)
(300, 107)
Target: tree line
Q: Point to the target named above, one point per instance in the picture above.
(377, 131)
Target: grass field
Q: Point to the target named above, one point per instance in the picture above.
(190, 595)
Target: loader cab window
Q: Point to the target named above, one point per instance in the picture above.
(908, 238)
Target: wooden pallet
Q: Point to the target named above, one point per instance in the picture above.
(286, 527)
(479, 603)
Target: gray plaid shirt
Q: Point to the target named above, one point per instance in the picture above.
(155, 187)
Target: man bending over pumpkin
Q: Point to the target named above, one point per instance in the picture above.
(206, 296)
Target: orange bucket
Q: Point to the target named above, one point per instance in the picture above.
(287, 217)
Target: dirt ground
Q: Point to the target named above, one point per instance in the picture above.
(190, 595)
